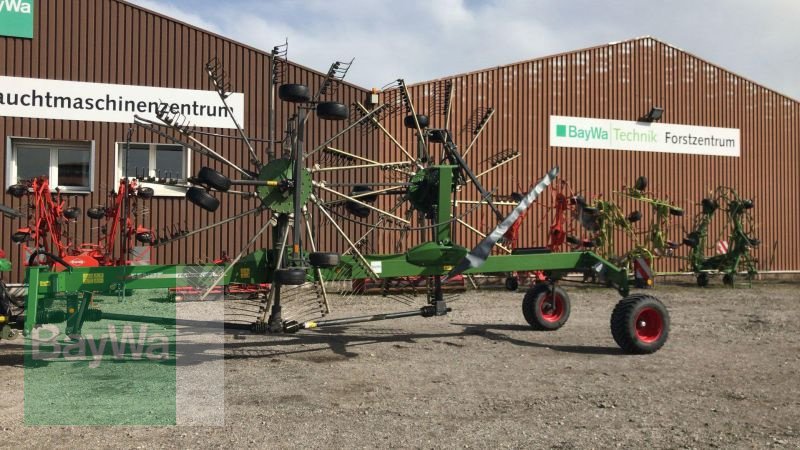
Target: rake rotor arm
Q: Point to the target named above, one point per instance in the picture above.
(359, 256)
(371, 114)
(198, 146)
(355, 200)
(213, 225)
(386, 132)
(455, 157)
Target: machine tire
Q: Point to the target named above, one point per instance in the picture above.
(727, 279)
(294, 93)
(634, 217)
(72, 213)
(96, 213)
(512, 283)
(641, 183)
(640, 324)
(540, 312)
(201, 198)
(677, 212)
(145, 238)
(324, 260)
(145, 193)
(702, 279)
(421, 118)
(290, 276)
(17, 190)
(332, 111)
(20, 236)
(213, 179)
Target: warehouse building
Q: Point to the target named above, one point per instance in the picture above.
(73, 75)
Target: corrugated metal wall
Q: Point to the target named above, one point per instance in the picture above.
(113, 42)
(108, 41)
(623, 81)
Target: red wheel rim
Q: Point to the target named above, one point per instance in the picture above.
(649, 325)
(552, 308)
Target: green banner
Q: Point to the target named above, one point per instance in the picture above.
(16, 18)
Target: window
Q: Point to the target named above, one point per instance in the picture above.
(68, 165)
(154, 160)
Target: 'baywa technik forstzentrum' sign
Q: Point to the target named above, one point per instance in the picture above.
(16, 18)
(581, 132)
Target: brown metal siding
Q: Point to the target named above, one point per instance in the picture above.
(623, 81)
(108, 41)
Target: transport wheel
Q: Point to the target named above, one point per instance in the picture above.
(544, 309)
(332, 111)
(702, 279)
(727, 279)
(214, 179)
(201, 198)
(145, 193)
(295, 93)
(512, 283)
(322, 259)
(640, 324)
(634, 217)
(290, 276)
(677, 212)
(144, 238)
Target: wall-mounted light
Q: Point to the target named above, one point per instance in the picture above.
(652, 116)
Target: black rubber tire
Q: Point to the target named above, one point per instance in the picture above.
(323, 259)
(728, 279)
(96, 213)
(709, 206)
(677, 212)
(641, 183)
(590, 211)
(702, 279)
(421, 118)
(290, 276)
(634, 217)
(579, 200)
(572, 240)
(692, 239)
(214, 179)
(72, 213)
(437, 136)
(332, 111)
(145, 193)
(754, 242)
(17, 190)
(294, 93)
(512, 283)
(201, 198)
(748, 204)
(144, 238)
(534, 309)
(19, 237)
(640, 324)
(361, 189)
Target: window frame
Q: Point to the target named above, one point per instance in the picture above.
(13, 142)
(159, 190)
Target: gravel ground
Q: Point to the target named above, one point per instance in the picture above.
(729, 376)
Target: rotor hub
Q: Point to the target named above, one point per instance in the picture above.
(280, 197)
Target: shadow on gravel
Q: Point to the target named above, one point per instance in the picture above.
(491, 333)
(12, 355)
(343, 344)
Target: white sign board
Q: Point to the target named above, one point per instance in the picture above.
(98, 102)
(580, 132)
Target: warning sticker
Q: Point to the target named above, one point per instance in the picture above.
(93, 278)
(376, 266)
(244, 272)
